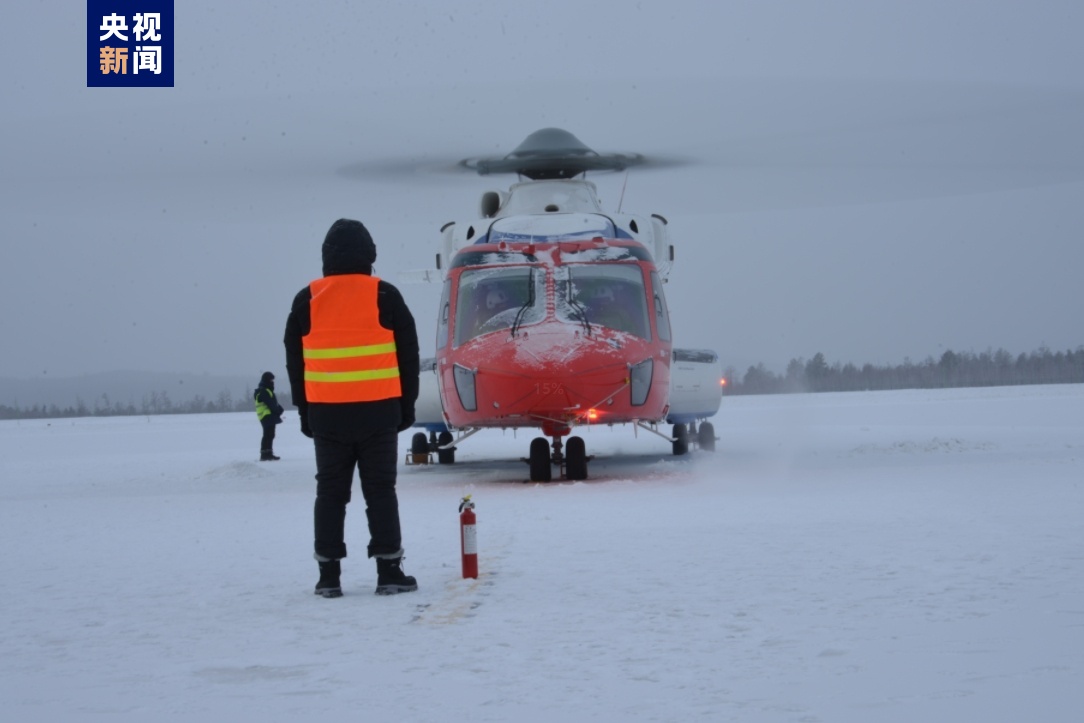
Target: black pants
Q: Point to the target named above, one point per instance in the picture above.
(375, 455)
(267, 444)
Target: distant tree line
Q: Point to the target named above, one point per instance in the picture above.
(953, 369)
(154, 403)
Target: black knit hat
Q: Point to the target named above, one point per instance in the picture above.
(348, 248)
(267, 378)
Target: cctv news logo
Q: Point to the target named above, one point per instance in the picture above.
(129, 43)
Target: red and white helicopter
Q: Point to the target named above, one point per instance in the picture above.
(553, 317)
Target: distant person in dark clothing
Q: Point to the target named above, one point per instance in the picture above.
(352, 357)
(269, 412)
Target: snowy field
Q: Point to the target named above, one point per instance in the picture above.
(893, 556)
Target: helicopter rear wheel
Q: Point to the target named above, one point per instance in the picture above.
(576, 459)
(540, 460)
(419, 449)
(681, 439)
(445, 456)
(705, 437)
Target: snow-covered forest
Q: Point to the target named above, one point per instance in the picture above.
(952, 369)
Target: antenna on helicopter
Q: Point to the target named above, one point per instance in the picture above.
(624, 185)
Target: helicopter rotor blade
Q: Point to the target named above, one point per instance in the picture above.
(799, 143)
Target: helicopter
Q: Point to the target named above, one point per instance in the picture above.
(553, 316)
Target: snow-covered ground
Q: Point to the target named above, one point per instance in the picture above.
(894, 556)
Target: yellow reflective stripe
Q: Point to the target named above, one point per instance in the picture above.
(350, 351)
(362, 376)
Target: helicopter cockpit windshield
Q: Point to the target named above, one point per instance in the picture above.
(492, 299)
(609, 295)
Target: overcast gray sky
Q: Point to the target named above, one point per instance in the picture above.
(873, 181)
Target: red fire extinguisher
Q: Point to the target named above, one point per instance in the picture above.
(468, 538)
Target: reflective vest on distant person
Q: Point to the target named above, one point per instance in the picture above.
(262, 410)
(349, 357)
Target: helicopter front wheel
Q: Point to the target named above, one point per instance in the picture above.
(540, 460)
(575, 459)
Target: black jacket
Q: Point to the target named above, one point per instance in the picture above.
(394, 315)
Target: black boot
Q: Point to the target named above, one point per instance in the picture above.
(328, 585)
(267, 455)
(390, 578)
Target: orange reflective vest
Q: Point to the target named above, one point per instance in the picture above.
(348, 356)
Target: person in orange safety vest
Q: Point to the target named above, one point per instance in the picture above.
(353, 362)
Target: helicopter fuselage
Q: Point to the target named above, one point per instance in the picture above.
(553, 331)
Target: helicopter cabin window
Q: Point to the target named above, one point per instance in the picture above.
(662, 313)
(445, 313)
(498, 298)
(608, 295)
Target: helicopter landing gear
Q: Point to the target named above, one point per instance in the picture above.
(705, 437)
(571, 458)
(444, 456)
(422, 448)
(419, 449)
(576, 459)
(680, 435)
(540, 460)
